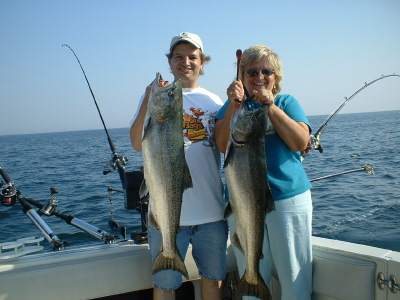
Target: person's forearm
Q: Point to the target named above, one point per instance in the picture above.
(295, 134)
(222, 128)
(136, 133)
(136, 130)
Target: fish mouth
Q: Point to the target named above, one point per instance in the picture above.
(159, 79)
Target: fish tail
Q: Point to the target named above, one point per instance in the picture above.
(228, 211)
(188, 183)
(259, 290)
(174, 262)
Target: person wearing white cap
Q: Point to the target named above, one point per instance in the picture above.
(202, 221)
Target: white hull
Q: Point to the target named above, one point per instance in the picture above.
(341, 271)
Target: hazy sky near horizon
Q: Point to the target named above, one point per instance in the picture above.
(329, 50)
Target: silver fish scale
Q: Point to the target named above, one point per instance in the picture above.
(165, 169)
(249, 194)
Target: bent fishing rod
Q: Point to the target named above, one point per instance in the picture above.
(129, 180)
(118, 161)
(315, 139)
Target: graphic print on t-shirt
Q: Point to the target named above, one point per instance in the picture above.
(198, 125)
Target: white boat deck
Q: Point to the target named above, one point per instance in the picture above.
(342, 270)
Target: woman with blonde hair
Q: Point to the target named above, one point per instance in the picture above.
(287, 234)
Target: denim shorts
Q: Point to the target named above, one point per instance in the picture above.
(208, 250)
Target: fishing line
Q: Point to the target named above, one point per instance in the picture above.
(118, 161)
(316, 137)
(129, 180)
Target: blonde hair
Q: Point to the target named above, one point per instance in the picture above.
(255, 54)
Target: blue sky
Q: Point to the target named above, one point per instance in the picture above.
(328, 48)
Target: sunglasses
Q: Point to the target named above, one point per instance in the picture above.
(255, 72)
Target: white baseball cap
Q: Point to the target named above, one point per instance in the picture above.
(192, 38)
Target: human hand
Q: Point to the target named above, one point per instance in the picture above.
(161, 83)
(264, 97)
(264, 94)
(235, 92)
(307, 150)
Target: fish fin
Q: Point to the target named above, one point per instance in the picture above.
(227, 152)
(259, 290)
(146, 124)
(143, 191)
(155, 84)
(188, 183)
(228, 211)
(173, 262)
(152, 220)
(236, 242)
(270, 203)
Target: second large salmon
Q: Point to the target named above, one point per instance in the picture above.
(249, 195)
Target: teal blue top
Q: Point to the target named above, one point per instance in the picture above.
(286, 175)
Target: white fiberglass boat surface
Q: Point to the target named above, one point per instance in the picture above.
(342, 270)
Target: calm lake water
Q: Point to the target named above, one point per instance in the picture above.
(355, 207)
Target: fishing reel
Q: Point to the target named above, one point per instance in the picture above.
(50, 206)
(8, 194)
(112, 163)
(314, 139)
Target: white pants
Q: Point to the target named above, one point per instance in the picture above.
(287, 246)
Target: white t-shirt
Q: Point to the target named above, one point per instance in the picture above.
(204, 203)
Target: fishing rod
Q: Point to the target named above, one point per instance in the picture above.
(118, 161)
(9, 194)
(131, 181)
(49, 209)
(128, 179)
(315, 139)
(367, 168)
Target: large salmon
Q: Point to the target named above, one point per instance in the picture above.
(166, 173)
(249, 195)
